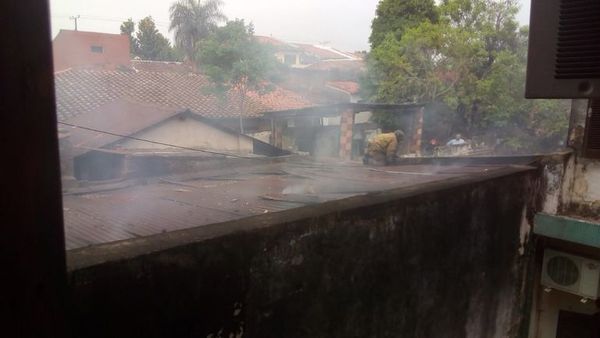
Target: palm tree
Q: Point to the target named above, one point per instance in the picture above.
(192, 21)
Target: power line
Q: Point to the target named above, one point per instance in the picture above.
(163, 24)
(150, 141)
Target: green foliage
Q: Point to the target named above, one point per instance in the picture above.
(395, 16)
(471, 60)
(192, 21)
(148, 43)
(233, 59)
(128, 28)
(152, 45)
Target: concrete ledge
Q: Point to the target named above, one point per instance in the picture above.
(488, 160)
(568, 229)
(123, 250)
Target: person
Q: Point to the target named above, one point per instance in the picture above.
(432, 146)
(456, 141)
(383, 147)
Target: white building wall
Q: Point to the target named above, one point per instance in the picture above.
(190, 133)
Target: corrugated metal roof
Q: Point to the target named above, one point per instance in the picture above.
(181, 202)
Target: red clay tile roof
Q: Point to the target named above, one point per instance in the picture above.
(276, 44)
(347, 86)
(79, 91)
(324, 53)
(161, 66)
(270, 41)
(349, 65)
(280, 99)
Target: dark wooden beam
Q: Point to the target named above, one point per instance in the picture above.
(337, 109)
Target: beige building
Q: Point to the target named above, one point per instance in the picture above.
(97, 145)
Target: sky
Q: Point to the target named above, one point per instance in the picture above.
(343, 24)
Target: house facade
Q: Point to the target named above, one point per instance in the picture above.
(104, 98)
(101, 50)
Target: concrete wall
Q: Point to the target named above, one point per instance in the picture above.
(190, 133)
(581, 189)
(581, 180)
(574, 182)
(440, 261)
(74, 48)
(572, 185)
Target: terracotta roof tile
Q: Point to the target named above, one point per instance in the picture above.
(79, 91)
(347, 86)
(324, 53)
(349, 65)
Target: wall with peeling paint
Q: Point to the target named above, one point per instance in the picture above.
(581, 190)
(445, 262)
(572, 189)
(573, 183)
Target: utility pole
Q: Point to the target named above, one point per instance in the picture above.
(74, 18)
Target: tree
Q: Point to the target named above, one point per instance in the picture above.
(235, 61)
(395, 16)
(472, 61)
(148, 43)
(152, 45)
(128, 28)
(192, 21)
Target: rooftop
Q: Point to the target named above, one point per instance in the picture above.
(129, 209)
(350, 87)
(166, 84)
(324, 52)
(321, 52)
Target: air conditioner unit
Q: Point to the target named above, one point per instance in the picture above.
(564, 49)
(569, 273)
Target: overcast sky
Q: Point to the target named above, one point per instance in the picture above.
(344, 24)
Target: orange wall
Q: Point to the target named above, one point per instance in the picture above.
(73, 48)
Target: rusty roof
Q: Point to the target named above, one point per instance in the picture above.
(127, 210)
(81, 90)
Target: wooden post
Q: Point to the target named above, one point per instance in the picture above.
(277, 133)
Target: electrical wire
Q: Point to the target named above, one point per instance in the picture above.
(152, 142)
(163, 24)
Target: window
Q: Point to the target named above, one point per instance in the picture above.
(97, 49)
